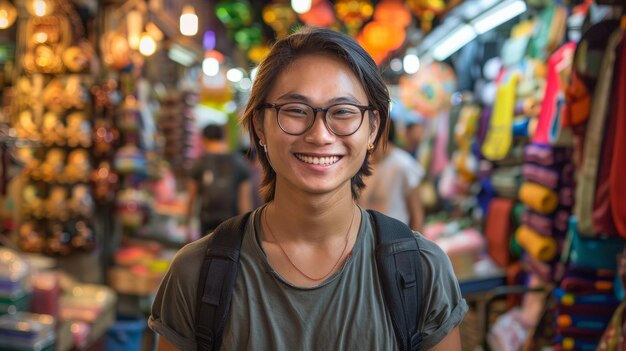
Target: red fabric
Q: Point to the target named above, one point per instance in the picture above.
(556, 63)
(498, 230)
(602, 216)
(618, 163)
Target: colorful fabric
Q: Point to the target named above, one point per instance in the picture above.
(559, 61)
(500, 134)
(540, 247)
(588, 170)
(538, 198)
(613, 338)
(618, 162)
(498, 230)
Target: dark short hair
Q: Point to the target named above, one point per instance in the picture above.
(310, 41)
(213, 132)
(391, 135)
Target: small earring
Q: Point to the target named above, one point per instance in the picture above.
(370, 147)
(264, 146)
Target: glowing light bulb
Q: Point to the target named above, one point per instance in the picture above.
(147, 45)
(188, 21)
(8, 13)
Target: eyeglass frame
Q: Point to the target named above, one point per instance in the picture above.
(277, 107)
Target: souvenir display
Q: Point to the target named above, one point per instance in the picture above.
(176, 122)
(54, 112)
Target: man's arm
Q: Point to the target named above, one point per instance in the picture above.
(452, 342)
(416, 210)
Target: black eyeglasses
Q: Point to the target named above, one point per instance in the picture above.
(295, 118)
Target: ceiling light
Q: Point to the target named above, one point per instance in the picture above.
(234, 75)
(453, 42)
(188, 21)
(498, 15)
(411, 63)
(301, 6)
(181, 55)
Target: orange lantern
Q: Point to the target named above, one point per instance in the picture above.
(377, 54)
(393, 12)
(280, 17)
(383, 36)
(320, 15)
(353, 13)
(426, 11)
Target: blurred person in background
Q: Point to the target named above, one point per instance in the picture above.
(219, 181)
(393, 187)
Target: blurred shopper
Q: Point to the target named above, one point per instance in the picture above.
(219, 184)
(393, 187)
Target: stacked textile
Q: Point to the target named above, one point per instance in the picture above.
(585, 297)
(548, 195)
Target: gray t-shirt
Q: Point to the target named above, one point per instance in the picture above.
(345, 312)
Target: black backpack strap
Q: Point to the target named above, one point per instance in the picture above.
(400, 270)
(217, 282)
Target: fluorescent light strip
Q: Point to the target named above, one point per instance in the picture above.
(180, 56)
(497, 16)
(453, 42)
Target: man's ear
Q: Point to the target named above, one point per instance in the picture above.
(257, 123)
(374, 128)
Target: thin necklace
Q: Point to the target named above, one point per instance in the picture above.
(345, 246)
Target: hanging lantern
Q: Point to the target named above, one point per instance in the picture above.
(353, 13)
(377, 54)
(280, 17)
(383, 36)
(8, 13)
(40, 8)
(188, 21)
(320, 15)
(426, 11)
(428, 91)
(392, 12)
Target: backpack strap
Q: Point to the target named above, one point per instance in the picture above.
(217, 282)
(400, 270)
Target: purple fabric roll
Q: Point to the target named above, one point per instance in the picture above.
(484, 124)
(546, 155)
(540, 175)
(586, 309)
(540, 223)
(566, 196)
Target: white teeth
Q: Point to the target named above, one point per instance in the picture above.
(318, 160)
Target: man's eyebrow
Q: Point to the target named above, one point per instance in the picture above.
(302, 98)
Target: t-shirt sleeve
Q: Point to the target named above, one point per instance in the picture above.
(443, 307)
(173, 310)
(413, 172)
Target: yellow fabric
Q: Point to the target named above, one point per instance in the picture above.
(500, 134)
(538, 197)
(540, 247)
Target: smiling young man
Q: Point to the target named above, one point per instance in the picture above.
(307, 277)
